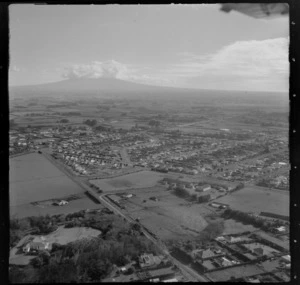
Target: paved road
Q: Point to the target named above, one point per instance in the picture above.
(189, 273)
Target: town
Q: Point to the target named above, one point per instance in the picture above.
(191, 193)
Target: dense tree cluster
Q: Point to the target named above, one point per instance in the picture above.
(16, 230)
(42, 224)
(244, 218)
(90, 123)
(102, 128)
(212, 231)
(204, 198)
(181, 192)
(154, 123)
(85, 260)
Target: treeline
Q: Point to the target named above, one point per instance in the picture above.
(72, 113)
(183, 193)
(252, 220)
(243, 217)
(37, 225)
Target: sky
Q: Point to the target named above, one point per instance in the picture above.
(195, 46)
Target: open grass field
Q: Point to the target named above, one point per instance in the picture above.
(142, 179)
(66, 235)
(234, 227)
(33, 178)
(28, 210)
(170, 218)
(253, 199)
(236, 272)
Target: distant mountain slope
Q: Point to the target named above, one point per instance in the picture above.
(110, 87)
(88, 86)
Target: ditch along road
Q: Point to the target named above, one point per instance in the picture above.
(188, 272)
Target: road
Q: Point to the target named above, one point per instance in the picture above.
(189, 273)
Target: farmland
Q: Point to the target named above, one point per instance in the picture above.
(27, 210)
(254, 199)
(142, 179)
(33, 178)
(169, 217)
(234, 227)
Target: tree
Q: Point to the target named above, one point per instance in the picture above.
(90, 123)
(194, 197)
(181, 192)
(64, 121)
(154, 123)
(54, 272)
(204, 198)
(16, 275)
(212, 231)
(37, 262)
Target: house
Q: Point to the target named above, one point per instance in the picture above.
(148, 260)
(286, 258)
(203, 188)
(61, 203)
(226, 262)
(161, 274)
(231, 239)
(170, 280)
(203, 254)
(230, 188)
(127, 196)
(154, 198)
(36, 247)
(281, 229)
(217, 205)
(253, 280)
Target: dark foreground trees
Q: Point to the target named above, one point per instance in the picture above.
(85, 260)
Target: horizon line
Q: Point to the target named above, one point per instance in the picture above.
(163, 86)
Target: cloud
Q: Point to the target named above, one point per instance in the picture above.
(245, 65)
(263, 62)
(115, 69)
(251, 58)
(97, 69)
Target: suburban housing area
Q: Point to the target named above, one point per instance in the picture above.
(106, 191)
